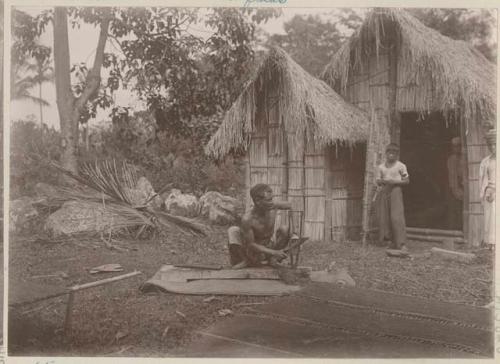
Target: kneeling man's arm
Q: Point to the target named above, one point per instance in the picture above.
(282, 205)
(249, 238)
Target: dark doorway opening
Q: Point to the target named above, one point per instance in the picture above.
(425, 149)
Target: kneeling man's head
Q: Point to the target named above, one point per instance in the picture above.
(261, 193)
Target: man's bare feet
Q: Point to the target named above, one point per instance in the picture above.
(275, 263)
(240, 265)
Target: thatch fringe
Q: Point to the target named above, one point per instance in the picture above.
(306, 105)
(463, 79)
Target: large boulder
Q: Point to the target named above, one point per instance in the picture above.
(22, 213)
(178, 203)
(220, 209)
(83, 217)
(142, 193)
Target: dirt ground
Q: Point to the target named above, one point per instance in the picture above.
(119, 320)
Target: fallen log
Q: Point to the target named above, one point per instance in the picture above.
(434, 232)
(453, 255)
(434, 238)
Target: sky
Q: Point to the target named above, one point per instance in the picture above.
(82, 44)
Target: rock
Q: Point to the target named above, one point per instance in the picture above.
(453, 255)
(220, 209)
(145, 186)
(397, 253)
(21, 214)
(338, 276)
(142, 193)
(82, 217)
(181, 204)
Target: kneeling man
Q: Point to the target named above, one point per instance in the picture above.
(252, 242)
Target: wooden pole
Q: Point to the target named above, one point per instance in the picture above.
(328, 192)
(466, 200)
(248, 176)
(370, 163)
(69, 310)
(286, 177)
(80, 287)
(394, 115)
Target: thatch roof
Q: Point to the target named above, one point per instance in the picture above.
(463, 79)
(305, 104)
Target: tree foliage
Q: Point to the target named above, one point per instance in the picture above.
(312, 40)
(187, 66)
(473, 25)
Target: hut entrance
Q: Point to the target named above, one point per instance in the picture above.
(425, 148)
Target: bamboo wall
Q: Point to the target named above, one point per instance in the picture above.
(314, 191)
(473, 209)
(270, 161)
(344, 188)
(295, 173)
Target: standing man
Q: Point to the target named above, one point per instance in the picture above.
(456, 168)
(391, 176)
(252, 243)
(487, 181)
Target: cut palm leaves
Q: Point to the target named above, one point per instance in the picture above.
(115, 182)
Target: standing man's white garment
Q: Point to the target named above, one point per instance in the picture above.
(487, 181)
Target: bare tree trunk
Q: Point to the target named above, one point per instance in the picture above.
(40, 104)
(69, 107)
(41, 110)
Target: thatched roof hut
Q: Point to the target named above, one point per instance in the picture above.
(462, 78)
(304, 103)
(299, 137)
(421, 89)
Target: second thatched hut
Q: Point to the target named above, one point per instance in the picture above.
(302, 139)
(421, 89)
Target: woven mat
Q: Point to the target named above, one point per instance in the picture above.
(250, 281)
(325, 321)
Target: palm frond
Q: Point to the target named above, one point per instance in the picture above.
(113, 182)
(34, 99)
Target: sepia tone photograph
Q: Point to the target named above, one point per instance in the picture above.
(256, 182)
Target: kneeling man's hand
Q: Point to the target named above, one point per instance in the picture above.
(280, 254)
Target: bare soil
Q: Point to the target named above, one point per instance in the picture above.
(119, 320)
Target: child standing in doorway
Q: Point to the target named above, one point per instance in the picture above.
(391, 176)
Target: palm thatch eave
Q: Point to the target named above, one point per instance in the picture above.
(307, 106)
(462, 78)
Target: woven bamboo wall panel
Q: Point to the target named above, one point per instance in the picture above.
(315, 172)
(275, 144)
(275, 171)
(315, 218)
(258, 152)
(476, 151)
